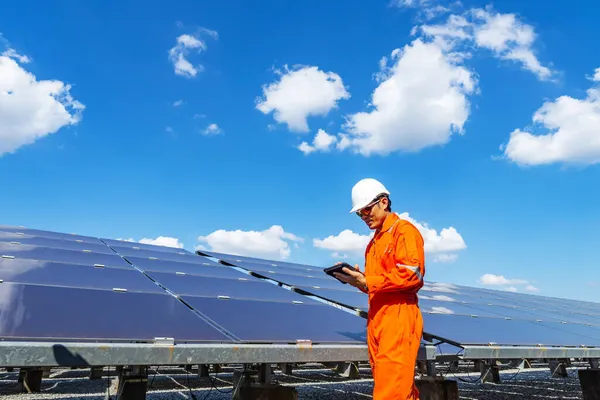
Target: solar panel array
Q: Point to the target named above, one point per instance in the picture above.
(57, 286)
(462, 314)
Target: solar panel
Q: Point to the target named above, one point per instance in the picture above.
(483, 331)
(67, 314)
(258, 311)
(441, 305)
(506, 311)
(242, 288)
(23, 251)
(545, 302)
(269, 269)
(308, 276)
(469, 308)
(13, 238)
(359, 300)
(49, 234)
(281, 322)
(257, 263)
(181, 255)
(309, 282)
(524, 306)
(51, 276)
(352, 298)
(467, 299)
(206, 268)
(74, 275)
(488, 296)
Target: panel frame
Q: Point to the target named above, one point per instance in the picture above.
(528, 352)
(45, 354)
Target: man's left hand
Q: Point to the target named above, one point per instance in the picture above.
(354, 277)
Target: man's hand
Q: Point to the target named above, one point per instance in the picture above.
(355, 277)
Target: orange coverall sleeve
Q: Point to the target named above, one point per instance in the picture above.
(405, 268)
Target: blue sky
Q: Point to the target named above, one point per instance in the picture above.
(243, 128)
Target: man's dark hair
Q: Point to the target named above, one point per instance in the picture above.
(389, 206)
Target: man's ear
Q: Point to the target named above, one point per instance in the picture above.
(385, 202)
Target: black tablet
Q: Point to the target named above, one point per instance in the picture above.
(337, 268)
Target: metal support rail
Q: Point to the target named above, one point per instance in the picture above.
(81, 354)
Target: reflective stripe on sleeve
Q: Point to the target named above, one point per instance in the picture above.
(416, 270)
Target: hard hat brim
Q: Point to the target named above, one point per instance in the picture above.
(361, 206)
(355, 209)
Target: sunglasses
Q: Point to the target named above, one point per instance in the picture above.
(367, 209)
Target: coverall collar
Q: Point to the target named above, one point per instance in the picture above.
(388, 222)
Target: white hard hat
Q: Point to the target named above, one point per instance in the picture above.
(365, 191)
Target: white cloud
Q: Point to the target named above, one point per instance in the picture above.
(322, 142)
(596, 77)
(531, 288)
(272, 243)
(185, 44)
(300, 93)
(12, 53)
(177, 103)
(445, 258)
(509, 39)
(427, 9)
(212, 129)
(420, 102)
(411, 3)
(491, 279)
(163, 241)
(567, 132)
(159, 241)
(442, 246)
(424, 89)
(504, 35)
(345, 243)
(506, 283)
(31, 109)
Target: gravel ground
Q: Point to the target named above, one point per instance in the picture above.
(311, 382)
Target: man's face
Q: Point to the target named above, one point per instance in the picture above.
(374, 214)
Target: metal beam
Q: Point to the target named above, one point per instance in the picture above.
(530, 352)
(49, 354)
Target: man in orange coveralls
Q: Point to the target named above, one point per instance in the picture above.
(394, 271)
